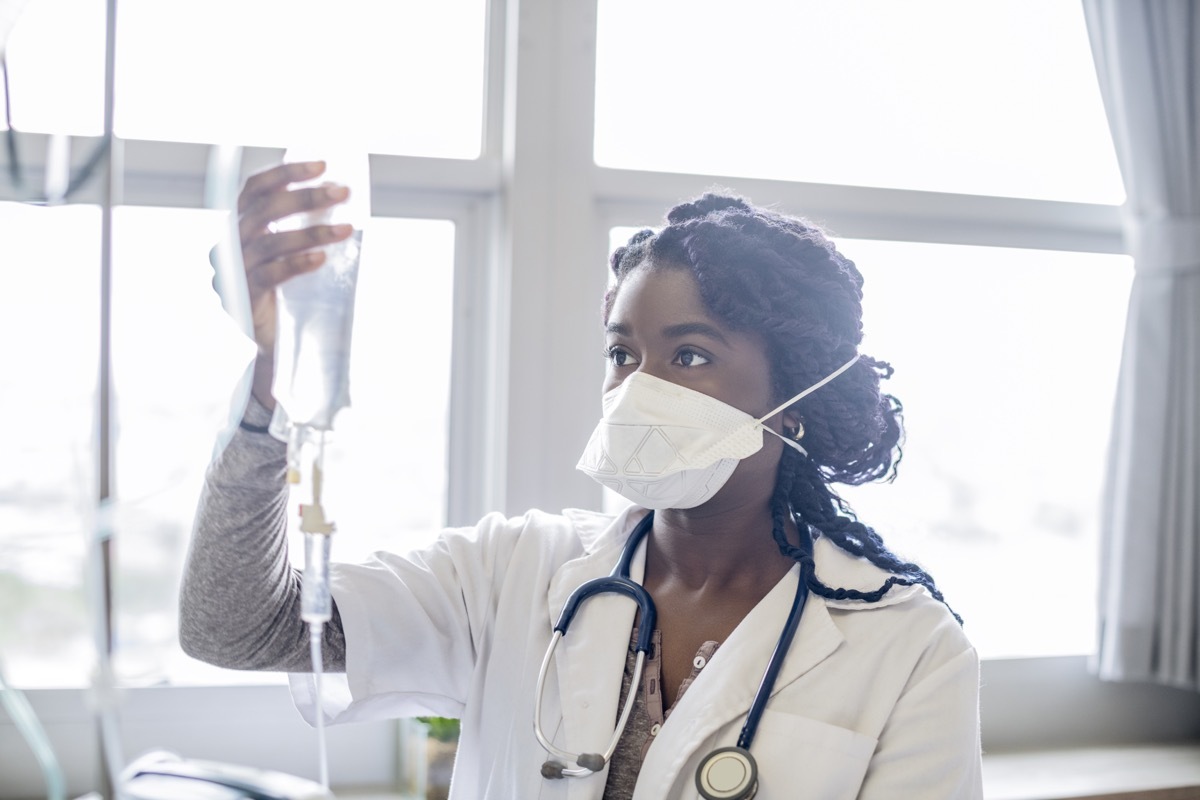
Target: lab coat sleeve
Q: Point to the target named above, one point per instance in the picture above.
(930, 746)
(415, 624)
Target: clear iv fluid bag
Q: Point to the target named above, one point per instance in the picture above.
(312, 348)
(315, 311)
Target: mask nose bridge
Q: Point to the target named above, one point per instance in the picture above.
(653, 372)
(644, 371)
(620, 389)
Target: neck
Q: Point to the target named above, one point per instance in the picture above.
(719, 549)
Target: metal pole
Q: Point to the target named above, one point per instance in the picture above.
(106, 711)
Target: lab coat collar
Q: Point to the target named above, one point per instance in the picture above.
(595, 529)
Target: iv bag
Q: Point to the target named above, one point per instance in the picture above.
(315, 311)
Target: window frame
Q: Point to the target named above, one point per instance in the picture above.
(532, 215)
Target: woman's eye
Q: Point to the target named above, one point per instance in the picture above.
(618, 357)
(690, 358)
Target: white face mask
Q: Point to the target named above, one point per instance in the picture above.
(662, 445)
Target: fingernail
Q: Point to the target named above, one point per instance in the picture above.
(337, 192)
(315, 167)
(344, 229)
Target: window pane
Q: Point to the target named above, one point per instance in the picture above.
(1007, 371)
(409, 76)
(55, 61)
(49, 314)
(1006, 363)
(177, 358)
(942, 95)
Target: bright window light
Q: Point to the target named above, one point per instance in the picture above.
(49, 318)
(177, 358)
(1006, 361)
(965, 96)
(409, 76)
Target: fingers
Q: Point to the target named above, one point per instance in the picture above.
(272, 257)
(279, 203)
(270, 180)
(265, 277)
(267, 247)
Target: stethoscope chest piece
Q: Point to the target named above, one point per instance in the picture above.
(727, 773)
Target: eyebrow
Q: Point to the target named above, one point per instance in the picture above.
(675, 331)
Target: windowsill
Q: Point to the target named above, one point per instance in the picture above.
(1141, 772)
(1046, 722)
(1131, 772)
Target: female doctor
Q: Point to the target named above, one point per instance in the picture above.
(784, 652)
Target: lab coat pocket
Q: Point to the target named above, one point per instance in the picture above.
(804, 759)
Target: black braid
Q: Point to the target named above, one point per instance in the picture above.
(782, 278)
(794, 492)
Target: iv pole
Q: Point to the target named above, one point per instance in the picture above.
(104, 687)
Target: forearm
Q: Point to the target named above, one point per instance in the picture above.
(240, 597)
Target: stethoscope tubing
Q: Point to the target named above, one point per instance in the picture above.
(563, 754)
(754, 715)
(619, 581)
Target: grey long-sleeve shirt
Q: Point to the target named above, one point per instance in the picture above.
(239, 603)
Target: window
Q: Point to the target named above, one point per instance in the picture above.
(1006, 366)
(1000, 353)
(942, 95)
(177, 357)
(256, 72)
(49, 313)
(1007, 381)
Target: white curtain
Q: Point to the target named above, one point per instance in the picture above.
(1149, 69)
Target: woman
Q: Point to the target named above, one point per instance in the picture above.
(728, 315)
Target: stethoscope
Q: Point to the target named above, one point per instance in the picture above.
(727, 773)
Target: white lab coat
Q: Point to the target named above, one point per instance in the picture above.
(873, 701)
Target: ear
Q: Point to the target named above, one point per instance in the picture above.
(791, 420)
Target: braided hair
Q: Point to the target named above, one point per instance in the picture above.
(781, 277)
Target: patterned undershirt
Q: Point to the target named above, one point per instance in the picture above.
(648, 714)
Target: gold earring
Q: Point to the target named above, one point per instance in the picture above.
(799, 432)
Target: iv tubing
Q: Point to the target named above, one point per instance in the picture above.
(314, 634)
(316, 606)
(17, 705)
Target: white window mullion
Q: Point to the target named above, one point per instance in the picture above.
(173, 174)
(630, 197)
(552, 252)
(475, 462)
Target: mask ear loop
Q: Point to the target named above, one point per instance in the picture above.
(792, 442)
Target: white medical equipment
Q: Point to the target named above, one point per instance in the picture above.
(316, 309)
(315, 319)
(727, 773)
(165, 776)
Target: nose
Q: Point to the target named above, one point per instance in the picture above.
(651, 370)
(616, 379)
